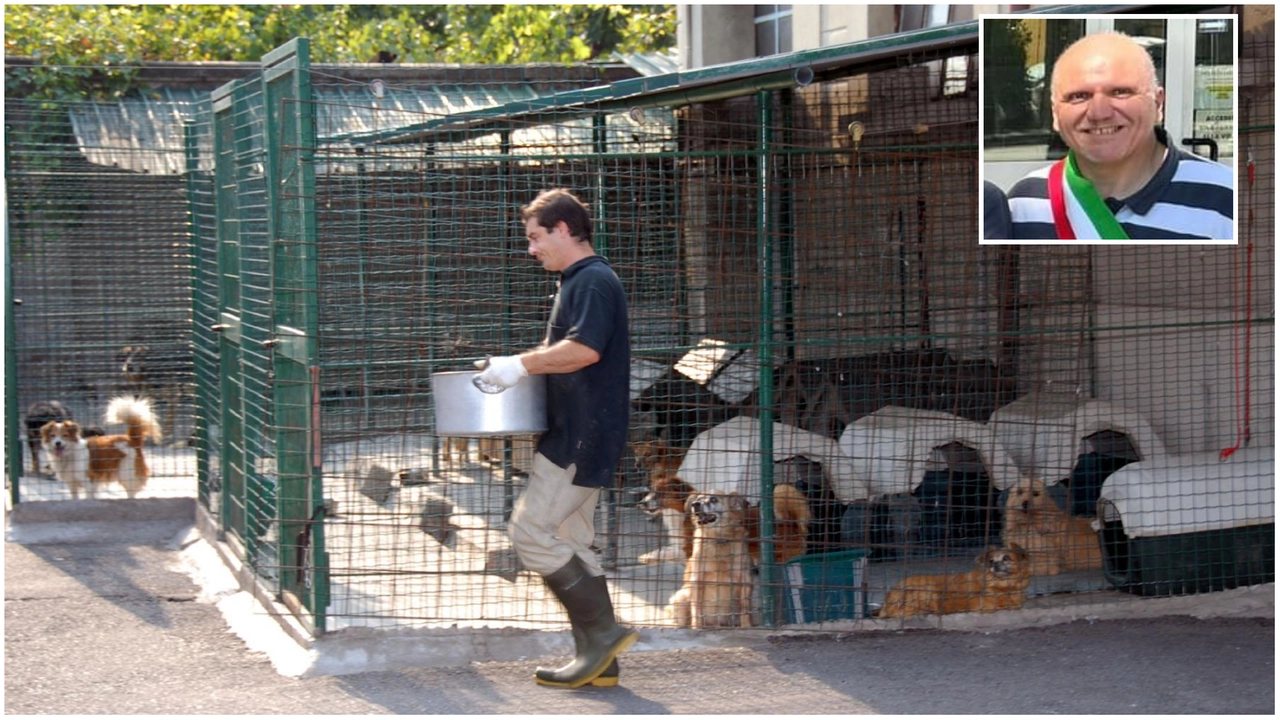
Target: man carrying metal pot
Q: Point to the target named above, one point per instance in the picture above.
(586, 357)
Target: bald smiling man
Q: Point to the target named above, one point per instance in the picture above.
(1121, 179)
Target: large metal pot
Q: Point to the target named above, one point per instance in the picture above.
(462, 410)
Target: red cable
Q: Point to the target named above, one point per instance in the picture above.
(1248, 328)
(1235, 357)
(1243, 430)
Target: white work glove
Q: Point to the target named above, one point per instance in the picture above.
(503, 371)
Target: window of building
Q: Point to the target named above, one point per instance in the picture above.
(951, 76)
(918, 17)
(773, 29)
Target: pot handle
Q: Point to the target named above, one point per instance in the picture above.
(485, 387)
(481, 385)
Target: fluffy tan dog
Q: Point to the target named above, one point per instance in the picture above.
(668, 497)
(999, 582)
(1054, 539)
(717, 579)
(790, 525)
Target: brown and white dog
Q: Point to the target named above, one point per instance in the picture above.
(1054, 539)
(84, 462)
(717, 579)
(667, 501)
(999, 582)
(657, 458)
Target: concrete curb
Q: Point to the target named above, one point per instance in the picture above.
(358, 650)
(103, 510)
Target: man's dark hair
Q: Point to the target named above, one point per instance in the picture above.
(552, 206)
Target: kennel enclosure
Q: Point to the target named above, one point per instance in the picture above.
(795, 236)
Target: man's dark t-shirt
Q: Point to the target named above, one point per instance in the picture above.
(587, 410)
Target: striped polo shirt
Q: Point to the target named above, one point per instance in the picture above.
(1190, 198)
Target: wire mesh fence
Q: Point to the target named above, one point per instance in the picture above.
(814, 328)
(100, 274)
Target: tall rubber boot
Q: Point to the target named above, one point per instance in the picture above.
(590, 610)
(608, 678)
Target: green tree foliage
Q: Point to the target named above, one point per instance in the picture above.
(94, 50)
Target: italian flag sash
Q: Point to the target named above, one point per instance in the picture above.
(1078, 210)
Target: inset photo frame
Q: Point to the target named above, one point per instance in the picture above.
(1109, 129)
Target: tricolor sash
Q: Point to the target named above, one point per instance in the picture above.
(1078, 210)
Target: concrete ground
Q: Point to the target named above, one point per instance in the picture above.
(129, 612)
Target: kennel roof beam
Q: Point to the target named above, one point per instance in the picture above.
(717, 82)
(681, 88)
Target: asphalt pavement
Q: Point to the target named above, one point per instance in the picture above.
(106, 617)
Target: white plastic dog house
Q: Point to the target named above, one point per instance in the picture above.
(1179, 494)
(935, 478)
(726, 459)
(1190, 523)
(1045, 434)
(894, 447)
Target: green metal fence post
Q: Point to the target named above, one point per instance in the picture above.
(362, 239)
(432, 194)
(505, 197)
(228, 141)
(12, 439)
(764, 348)
(191, 153)
(600, 233)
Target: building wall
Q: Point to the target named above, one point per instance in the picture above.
(1160, 327)
(1185, 365)
(715, 34)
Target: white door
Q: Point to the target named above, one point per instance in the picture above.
(1195, 60)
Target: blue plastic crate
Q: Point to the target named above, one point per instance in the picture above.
(825, 586)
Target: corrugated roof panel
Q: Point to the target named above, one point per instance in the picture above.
(651, 63)
(139, 134)
(145, 134)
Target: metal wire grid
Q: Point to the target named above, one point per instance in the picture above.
(421, 271)
(876, 289)
(101, 263)
(874, 293)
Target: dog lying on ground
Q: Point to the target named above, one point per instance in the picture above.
(85, 462)
(667, 500)
(717, 579)
(999, 582)
(1054, 540)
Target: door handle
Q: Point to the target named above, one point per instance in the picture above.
(1207, 142)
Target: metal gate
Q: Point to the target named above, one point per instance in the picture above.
(265, 429)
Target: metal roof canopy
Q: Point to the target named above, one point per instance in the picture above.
(716, 82)
(144, 133)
